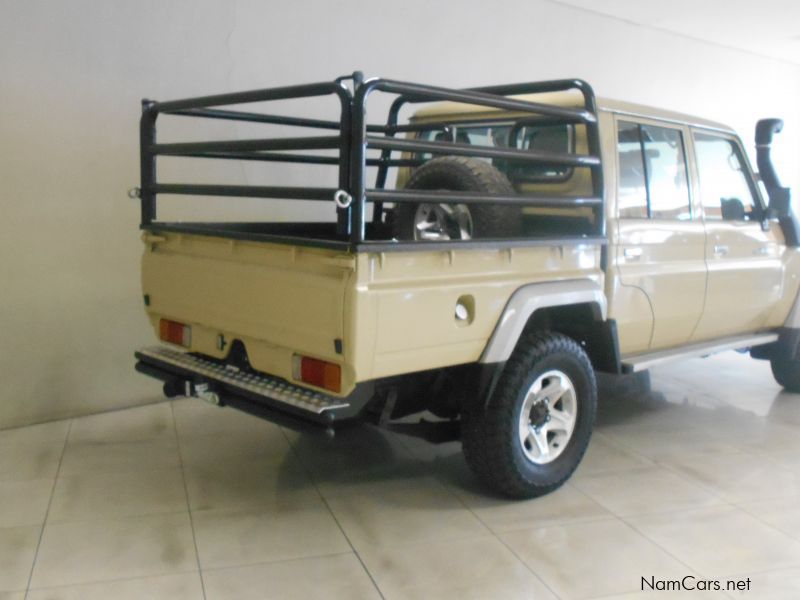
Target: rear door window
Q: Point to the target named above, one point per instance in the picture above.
(653, 180)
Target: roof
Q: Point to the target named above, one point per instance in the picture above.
(439, 109)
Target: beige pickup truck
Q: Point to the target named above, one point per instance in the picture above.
(477, 256)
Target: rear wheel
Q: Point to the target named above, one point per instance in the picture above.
(444, 222)
(531, 435)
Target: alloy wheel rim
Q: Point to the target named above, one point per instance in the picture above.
(442, 222)
(548, 416)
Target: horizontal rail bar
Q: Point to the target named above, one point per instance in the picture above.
(536, 87)
(297, 143)
(465, 121)
(448, 197)
(266, 157)
(421, 93)
(234, 115)
(536, 156)
(280, 93)
(246, 191)
(300, 158)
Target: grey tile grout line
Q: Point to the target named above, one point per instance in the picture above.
(330, 511)
(78, 584)
(766, 523)
(186, 493)
(481, 521)
(47, 511)
(657, 545)
(279, 561)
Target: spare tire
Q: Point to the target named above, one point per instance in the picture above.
(443, 222)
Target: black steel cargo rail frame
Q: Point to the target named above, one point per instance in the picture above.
(352, 138)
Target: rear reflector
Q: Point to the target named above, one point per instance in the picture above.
(318, 373)
(175, 333)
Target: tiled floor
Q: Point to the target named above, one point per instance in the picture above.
(699, 476)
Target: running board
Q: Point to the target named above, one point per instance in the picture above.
(641, 362)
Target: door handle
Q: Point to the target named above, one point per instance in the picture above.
(721, 250)
(761, 251)
(632, 253)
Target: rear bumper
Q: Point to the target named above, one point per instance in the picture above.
(265, 396)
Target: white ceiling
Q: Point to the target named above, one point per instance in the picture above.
(766, 27)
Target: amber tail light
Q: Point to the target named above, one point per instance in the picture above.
(318, 373)
(175, 333)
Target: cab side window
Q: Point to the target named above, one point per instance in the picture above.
(725, 187)
(652, 173)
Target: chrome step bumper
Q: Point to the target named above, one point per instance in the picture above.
(209, 379)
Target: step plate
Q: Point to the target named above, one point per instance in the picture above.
(273, 388)
(642, 362)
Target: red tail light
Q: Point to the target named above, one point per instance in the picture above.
(175, 333)
(318, 373)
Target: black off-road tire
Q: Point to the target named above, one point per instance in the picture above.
(490, 433)
(787, 372)
(462, 174)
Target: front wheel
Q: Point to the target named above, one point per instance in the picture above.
(530, 436)
(787, 372)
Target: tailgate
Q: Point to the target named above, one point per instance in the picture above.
(277, 300)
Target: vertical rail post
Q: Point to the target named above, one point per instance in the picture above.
(386, 155)
(358, 161)
(147, 138)
(344, 216)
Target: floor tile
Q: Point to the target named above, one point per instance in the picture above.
(107, 549)
(130, 425)
(566, 505)
(738, 477)
(356, 461)
(789, 460)
(720, 541)
(184, 586)
(195, 417)
(658, 442)
(115, 457)
(232, 538)
(592, 559)
(785, 409)
(603, 456)
(109, 495)
(747, 432)
(29, 460)
(248, 484)
(12, 595)
(645, 491)
(223, 450)
(397, 513)
(476, 568)
(783, 515)
(339, 577)
(24, 502)
(17, 550)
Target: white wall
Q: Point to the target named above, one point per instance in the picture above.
(73, 73)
